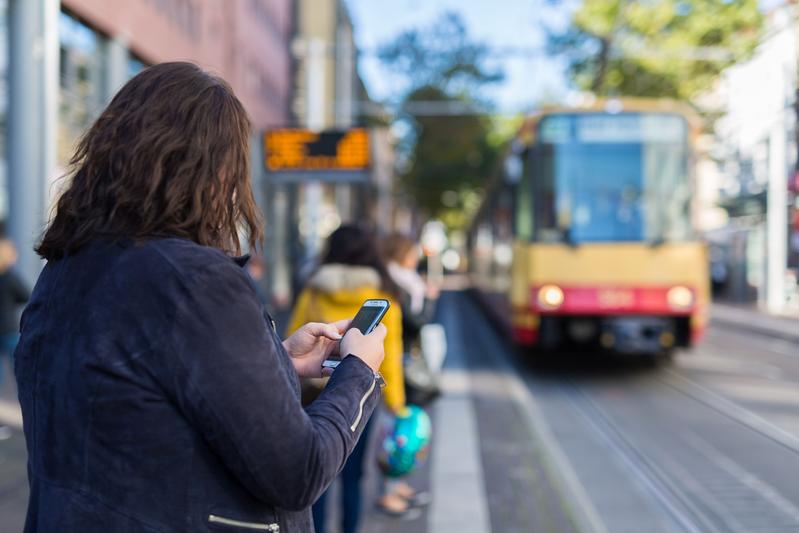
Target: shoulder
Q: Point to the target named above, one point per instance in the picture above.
(187, 259)
(172, 264)
(187, 256)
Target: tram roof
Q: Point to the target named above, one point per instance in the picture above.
(526, 133)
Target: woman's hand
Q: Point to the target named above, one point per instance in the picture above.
(368, 348)
(310, 345)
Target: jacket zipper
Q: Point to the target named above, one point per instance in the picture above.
(238, 523)
(360, 406)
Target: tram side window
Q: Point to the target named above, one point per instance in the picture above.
(524, 224)
(543, 185)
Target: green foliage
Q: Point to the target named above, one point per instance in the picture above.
(451, 157)
(446, 156)
(441, 55)
(656, 48)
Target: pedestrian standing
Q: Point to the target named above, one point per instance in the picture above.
(350, 272)
(13, 294)
(418, 297)
(418, 300)
(155, 394)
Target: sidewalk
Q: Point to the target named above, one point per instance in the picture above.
(756, 321)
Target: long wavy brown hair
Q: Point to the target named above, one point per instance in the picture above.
(169, 156)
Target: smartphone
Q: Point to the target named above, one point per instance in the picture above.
(366, 320)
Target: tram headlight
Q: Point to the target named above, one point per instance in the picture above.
(680, 297)
(550, 296)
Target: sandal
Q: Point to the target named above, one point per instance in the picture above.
(412, 496)
(401, 509)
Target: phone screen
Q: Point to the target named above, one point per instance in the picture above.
(367, 319)
(369, 315)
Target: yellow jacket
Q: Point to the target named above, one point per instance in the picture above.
(336, 292)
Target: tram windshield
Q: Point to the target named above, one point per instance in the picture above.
(611, 177)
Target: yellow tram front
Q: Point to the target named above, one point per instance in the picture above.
(599, 217)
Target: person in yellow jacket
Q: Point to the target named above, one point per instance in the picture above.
(351, 272)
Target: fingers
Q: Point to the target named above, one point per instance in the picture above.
(341, 325)
(330, 331)
(379, 331)
(331, 348)
(334, 330)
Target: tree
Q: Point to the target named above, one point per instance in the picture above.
(662, 48)
(447, 151)
(451, 158)
(441, 55)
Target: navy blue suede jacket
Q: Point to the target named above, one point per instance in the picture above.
(156, 396)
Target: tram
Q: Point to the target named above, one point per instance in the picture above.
(585, 234)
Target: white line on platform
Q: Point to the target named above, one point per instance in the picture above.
(460, 504)
(459, 500)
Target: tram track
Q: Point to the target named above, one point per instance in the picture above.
(723, 496)
(655, 447)
(730, 409)
(676, 508)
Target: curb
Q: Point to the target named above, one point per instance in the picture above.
(574, 496)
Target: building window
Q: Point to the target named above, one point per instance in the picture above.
(3, 108)
(82, 74)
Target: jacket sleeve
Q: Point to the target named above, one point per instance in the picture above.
(227, 377)
(392, 363)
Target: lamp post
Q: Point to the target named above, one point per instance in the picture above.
(33, 86)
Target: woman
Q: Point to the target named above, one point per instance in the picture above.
(155, 394)
(418, 301)
(417, 297)
(350, 272)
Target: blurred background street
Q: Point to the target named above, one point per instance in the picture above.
(606, 192)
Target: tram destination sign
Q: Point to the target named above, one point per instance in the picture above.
(305, 151)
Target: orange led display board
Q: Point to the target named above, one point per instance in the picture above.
(305, 150)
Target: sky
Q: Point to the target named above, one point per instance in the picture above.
(497, 23)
